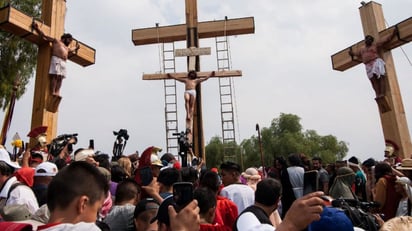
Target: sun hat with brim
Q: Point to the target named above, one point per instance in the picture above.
(402, 223)
(4, 156)
(406, 164)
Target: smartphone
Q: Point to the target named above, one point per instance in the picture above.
(182, 194)
(146, 175)
(91, 144)
(310, 182)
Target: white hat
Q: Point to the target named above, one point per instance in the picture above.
(83, 154)
(46, 169)
(4, 156)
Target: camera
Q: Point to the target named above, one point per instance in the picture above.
(122, 133)
(58, 143)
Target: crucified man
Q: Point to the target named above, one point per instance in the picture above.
(60, 54)
(375, 66)
(190, 90)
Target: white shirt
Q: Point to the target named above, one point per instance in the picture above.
(242, 195)
(74, 227)
(249, 222)
(20, 195)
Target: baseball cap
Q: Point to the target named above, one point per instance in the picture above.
(163, 211)
(46, 169)
(332, 219)
(145, 205)
(4, 156)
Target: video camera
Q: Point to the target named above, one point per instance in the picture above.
(183, 142)
(58, 143)
(122, 133)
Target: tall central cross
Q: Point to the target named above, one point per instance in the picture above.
(392, 113)
(192, 31)
(52, 24)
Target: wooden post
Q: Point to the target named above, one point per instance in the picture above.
(192, 31)
(394, 124)
(53, 15)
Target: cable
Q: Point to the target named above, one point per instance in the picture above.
(403, 51)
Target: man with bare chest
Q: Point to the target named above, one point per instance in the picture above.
(60, 53)
(375, 66)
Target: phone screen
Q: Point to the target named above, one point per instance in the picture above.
(182, 194)
(146, 175)
(310, 181)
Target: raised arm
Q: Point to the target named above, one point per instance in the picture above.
(35, 26)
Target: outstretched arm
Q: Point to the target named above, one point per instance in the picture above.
(207, 77)
(35, 26)
(387, 39)
(170, 76)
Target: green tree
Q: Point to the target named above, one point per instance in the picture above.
(284, 136)
(17, 56)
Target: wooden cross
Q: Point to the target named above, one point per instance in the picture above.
(192, 53)
(52, 24)
(391, 109)
(192, 31)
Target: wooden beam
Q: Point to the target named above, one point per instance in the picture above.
(19, 24)
(218, 74)
(208, 29)
(342, 61)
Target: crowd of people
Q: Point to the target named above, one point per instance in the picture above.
(87, 190)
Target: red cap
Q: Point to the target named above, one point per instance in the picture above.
(37, 131)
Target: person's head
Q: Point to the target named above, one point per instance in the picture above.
(317, 163)
(192, 74)
(369, 40)
(268, 192)
(127, 191)
(368, 165)
(83, 154)
(189, 174)
(7, 167)
(280, 163)
(230, 173)
(382, 169)
(103, 159)
(162, 216)
(125, 163)
(45, 172)
(332, 219)
(78, 192)
(118, 173)
(35, 159)
(346, 175)
(167, 178)
(294, 159)
(210, 179)
(144, 212)
(206, 199)
(66, 39)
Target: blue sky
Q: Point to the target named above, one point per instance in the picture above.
(286, 69)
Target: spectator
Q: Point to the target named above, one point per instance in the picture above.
(43, 175)
(241, 194)
(385, 190)
(360, 178)
(292, 182)
(342, 187)
(368, 167)
(121, 216)
(166, 179)
(323, 175)
(403, 187)
(268, 191)
(332, 219)
(126, 164)
(144, 212)
(75, 196)
(12, 191)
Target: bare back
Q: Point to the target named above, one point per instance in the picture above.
(60, 50)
